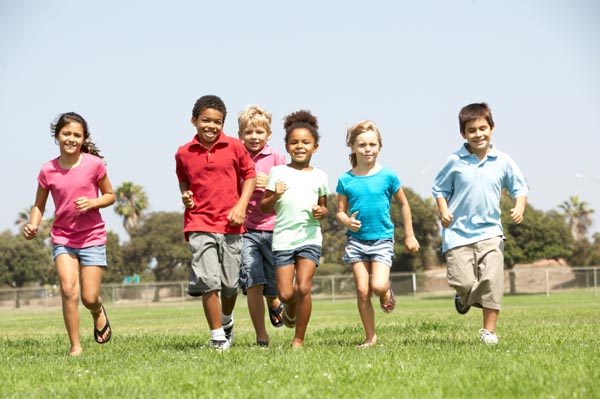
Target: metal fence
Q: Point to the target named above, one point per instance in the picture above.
(430, 283)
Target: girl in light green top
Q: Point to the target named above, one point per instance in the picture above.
(298, 194)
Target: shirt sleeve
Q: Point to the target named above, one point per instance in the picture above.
(515, 183)
(247, 168)
(442, 184)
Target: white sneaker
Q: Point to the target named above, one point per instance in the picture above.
(228, 328)
(487, 337)
(219, 345)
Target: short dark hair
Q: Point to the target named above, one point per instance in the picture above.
(472, 112)
(209, 101)
(301, 119)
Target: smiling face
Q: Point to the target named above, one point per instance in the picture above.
(478, 135)
(301, 144)
(255, 137)
(70, 138)
(366, 146)
(209, 124)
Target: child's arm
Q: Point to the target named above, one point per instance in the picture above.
(350, 222)
(320, 210)
(237, 214)
(187, 196)
(410, 241)
(84, 204)
(445, 214)
(35, 218)
(270, 198)
(516, 213)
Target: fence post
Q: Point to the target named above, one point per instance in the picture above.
(332, 288)
(547, 283)
(595, 281)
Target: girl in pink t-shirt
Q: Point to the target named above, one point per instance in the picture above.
(78, 232)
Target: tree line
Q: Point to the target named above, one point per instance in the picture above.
(156, 248)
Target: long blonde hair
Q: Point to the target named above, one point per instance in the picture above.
(354, 131)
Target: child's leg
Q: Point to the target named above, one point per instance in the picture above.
(380, 281)
(67, 267)
(256, 308)
(361, 271)
(461, 265)
(305, 270)
(490, 319)
(91, 277)
(286, 289)
(212, 309)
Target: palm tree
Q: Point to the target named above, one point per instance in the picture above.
(25, 214)
(23, 217)
(132, 201)
(578, 216)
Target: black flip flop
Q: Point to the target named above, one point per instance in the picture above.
(275, 315)
(99, 333)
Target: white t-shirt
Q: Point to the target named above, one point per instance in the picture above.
(294, 223)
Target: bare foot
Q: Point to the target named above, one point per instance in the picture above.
(297, 344)
(75, 351)
(368, 343)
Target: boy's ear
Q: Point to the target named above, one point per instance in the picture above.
(269, 134)
(193, 120)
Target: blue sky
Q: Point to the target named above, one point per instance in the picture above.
(134, 69)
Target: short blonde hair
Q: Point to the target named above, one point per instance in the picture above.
(358, 129)
(253, 115)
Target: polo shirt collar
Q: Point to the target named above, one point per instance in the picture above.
(464, 151)
(222, 140)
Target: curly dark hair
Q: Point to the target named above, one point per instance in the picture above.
(71, 117)
(209, 101)
(301, 119)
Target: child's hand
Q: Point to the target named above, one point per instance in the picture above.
(237, 215)
(83, 204)
(411, 244)
(319, 212)
(355, 224)
(30, 231)
(280, 188)
(447, 219)
(187, 197)
(516, 215)
(261, 179)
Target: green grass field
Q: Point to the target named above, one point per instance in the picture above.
(549, 348)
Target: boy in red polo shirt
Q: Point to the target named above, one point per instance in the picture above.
(216, 179)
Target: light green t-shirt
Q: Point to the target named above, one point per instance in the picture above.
(294, 223)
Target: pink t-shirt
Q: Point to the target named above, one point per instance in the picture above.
(70, 227)
(264, 161)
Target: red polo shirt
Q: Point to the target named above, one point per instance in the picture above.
(216, 177)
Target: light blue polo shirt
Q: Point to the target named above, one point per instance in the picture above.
(473, 189)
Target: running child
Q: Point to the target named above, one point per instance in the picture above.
(78, 233)
(298, 194)
(216, 179)
(257, 275)
(467, 190)
(364, 197)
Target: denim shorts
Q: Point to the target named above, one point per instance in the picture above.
(288, 256)
(358, 250)
(89, 256)
(258, 267)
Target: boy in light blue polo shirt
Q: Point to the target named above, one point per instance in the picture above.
(467, 190)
